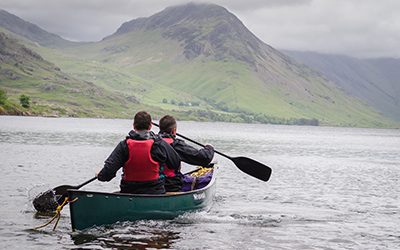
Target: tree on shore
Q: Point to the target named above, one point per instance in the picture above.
(25, 101)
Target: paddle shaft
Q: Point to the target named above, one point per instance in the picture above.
(62, 190)
(86, 182)
(201, 145)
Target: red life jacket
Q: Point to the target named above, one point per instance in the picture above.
(167, 171)
(140, 166)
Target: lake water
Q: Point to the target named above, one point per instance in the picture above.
(331, 188)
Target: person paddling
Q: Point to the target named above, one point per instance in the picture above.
(142, 156)
(187, 153)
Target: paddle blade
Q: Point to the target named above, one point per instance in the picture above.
(253, 168)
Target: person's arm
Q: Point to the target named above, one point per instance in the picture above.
(163, 152)
(193, 156)
(114, 162)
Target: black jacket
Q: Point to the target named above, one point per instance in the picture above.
(161, 152)
(188, 154)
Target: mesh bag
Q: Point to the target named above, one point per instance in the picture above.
(45, 202)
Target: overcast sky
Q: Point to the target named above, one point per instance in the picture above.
(363, 28)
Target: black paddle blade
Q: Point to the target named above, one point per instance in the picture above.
(45, 202)
(253, 168)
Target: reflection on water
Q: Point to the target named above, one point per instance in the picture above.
(331, 188)
(128, 235)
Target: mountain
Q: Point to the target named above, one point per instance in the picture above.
(208, 30)
(376, 81)
(31, 31)
(199, 61)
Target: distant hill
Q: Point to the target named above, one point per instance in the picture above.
(53, 92)
(31, 31)
(199, 61)
(376, 81)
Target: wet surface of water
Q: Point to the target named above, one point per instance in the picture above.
(331, 188)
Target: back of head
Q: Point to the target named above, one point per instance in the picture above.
(167, 124)
(142, 121)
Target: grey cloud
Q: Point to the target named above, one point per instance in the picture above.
(251, 5)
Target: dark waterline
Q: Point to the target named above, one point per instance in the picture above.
(331, 188)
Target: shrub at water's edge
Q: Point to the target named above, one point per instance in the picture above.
(8, 107)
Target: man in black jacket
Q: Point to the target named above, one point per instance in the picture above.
(187, 153)
(142, 155)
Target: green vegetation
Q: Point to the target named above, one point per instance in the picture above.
(25, 101)
(9, 107)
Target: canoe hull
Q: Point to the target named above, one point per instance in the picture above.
(97, 208)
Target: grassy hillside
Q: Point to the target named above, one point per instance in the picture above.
(52, 91)
(95, 90)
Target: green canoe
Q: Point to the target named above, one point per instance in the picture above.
(98, 208)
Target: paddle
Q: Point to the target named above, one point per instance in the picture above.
(246, 165)
(49, 200)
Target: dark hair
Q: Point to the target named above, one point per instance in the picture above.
(142, 121)
(167, 123)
